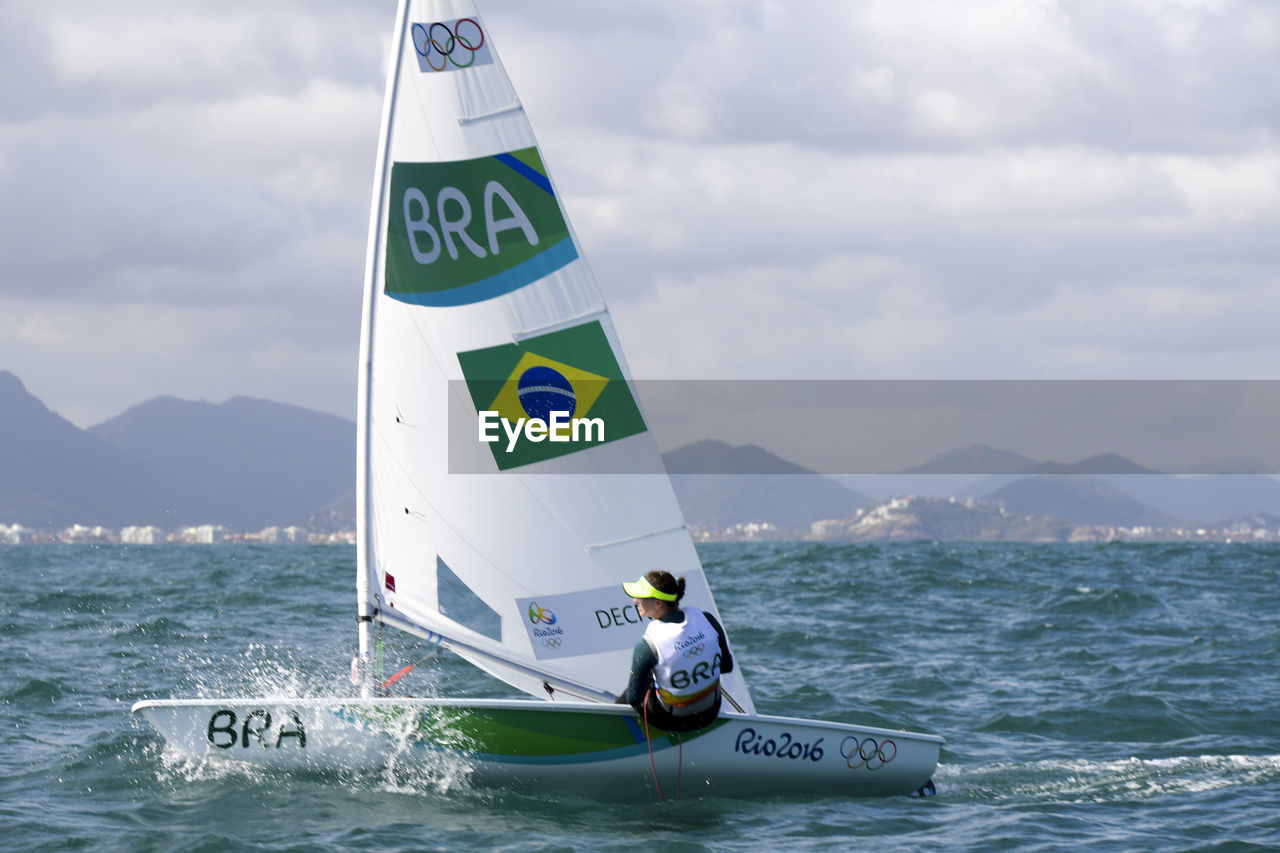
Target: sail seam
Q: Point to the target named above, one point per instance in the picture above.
(515, 581)
(598, 546)
(496, 111)
(598, 310)
(438, 515)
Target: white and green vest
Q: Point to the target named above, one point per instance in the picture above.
(688, 669)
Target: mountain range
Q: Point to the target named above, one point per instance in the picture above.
(245, 463)
(249, 463)
(1136, 494)
(718, 485)
(766, 488)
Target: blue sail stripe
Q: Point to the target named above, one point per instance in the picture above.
(539, 266)
(537, 178)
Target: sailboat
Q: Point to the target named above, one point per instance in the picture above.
(509, 547)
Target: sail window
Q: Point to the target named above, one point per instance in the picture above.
(456, 601)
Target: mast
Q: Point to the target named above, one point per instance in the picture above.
(366, 564)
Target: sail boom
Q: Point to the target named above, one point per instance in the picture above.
(470, 650)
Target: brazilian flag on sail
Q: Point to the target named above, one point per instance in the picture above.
(572, 372)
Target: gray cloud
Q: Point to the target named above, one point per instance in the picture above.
(887, 189)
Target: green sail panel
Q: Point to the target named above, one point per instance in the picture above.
(463, 231)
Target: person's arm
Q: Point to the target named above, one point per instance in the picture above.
(643, 660)
(726, 659)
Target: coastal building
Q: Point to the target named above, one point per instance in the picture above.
(14, 534)
(827, 528)
(147, 535)
(78, 534)
(210, 534)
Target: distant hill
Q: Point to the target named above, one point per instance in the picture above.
(980, 459)
(250, 463)
(975, 459)
(1079, 499)
(1102, 463)
(338, 514)
(1253, 521)
(908, 519)
(1203, 498)
(1228, 466)
(718, 485)
(245, 463)
(54, 474)
(717, 457)
(1231, 487)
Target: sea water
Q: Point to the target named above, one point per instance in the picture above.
(1112, 697)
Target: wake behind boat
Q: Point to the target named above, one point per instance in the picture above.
(481, 313)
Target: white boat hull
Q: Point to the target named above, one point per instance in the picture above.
(599, 750)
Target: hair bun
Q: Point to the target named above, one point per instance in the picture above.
(666, 582)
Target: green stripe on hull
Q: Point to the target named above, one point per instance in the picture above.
(525, 736)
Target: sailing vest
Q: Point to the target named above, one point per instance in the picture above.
(687, 674)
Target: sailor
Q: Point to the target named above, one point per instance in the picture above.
(676, 665)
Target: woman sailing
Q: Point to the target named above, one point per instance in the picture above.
(676, 665)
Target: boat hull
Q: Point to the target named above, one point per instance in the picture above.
(598, 750)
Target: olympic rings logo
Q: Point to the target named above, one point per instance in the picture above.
(695, 651)
(539, 614)
(867, 752)
(553, 643)
(440, 46)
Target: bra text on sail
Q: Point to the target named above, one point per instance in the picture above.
(463, 231)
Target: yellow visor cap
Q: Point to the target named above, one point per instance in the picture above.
(643, 589)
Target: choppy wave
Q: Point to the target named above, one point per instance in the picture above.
(1115, 697)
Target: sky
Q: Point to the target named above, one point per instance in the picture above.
(816, 189)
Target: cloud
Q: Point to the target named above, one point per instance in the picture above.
(813, 188)
(40, 329)
(133, 351)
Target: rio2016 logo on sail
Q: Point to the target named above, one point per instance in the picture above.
(551, 637)
(540, 614)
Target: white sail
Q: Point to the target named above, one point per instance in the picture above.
(478, 298)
